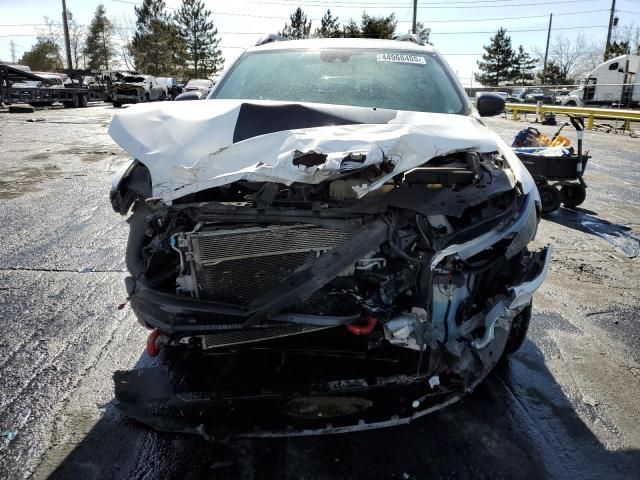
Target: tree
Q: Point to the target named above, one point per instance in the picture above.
(201, 38)
(351, 29)
(574, 57)
(378, 27)
(629, 34)
(52, 33)
(157, 47)
(300, 26)
(329, 26)
(423, 32)
(525, 65)
(76, 41)
(123, 30)
(44, 56)
(554, 75)
(99, 45)
(497, 65)
(615, 49)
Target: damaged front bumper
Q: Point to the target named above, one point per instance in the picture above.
(183, 398)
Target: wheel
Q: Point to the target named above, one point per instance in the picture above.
(571, 103)
(76, 101)
(117, 104)
(573, 195)
(550, 197)
(518, 332)
(83, 101)
(147, 98)
(67, 104)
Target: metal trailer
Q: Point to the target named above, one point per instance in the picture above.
(559, 178)
(70, 97)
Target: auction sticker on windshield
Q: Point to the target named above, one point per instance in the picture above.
(401, 58)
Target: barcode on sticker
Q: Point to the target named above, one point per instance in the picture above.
(401, 58)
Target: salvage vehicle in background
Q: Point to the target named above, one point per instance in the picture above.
(136, 89)
(340, 248)
(171, 88)
(199, 85)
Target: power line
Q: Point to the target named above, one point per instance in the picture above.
(386, 4)
(522, 17)
(442, 5)
(432, 32)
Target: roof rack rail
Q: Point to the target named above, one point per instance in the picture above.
(409, 37)
(270, 38)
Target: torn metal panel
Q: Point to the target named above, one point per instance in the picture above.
(188, 147)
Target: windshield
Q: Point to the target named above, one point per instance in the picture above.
(358, 77)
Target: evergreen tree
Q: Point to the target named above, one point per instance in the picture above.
(99, 45)
(378, 27)
(525, 66)
(351, 29)
(554, 75)
(615, 49)
(157, 47)
(196, 27)
(43, 56)
(300, 26)
(497, 65)
(423, 32)
(329, 26)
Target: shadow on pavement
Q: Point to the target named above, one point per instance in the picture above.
(517, 424)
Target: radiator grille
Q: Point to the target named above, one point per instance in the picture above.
(254, 335)
(236, 266)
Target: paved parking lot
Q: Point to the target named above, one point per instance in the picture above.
(565, 406)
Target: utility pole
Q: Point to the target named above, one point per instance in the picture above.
(546, 50)
(611, 20)
(415, 13)
(67, 44)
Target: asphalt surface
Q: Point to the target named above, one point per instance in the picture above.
(566, 405)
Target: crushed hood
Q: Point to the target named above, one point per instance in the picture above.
(192, 146)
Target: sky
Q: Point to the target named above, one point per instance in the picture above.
(459, 28)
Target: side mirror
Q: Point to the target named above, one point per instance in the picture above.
(489, 104)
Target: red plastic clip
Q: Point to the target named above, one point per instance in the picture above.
(363, 328)
(153, 344)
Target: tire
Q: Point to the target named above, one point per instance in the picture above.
(571, 103)
(573, 195)
(519, 329)
(550, 197)
(83, 101)
(76, 101)
(67, 104)
(147, 98)
(117, 104)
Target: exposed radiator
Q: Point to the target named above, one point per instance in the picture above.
(238, 265)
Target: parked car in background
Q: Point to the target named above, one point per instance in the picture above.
(192, 95)
(332, 242)
(559, 96)
(526, 95)
(202, 85)
(136, 89)
(170, 84)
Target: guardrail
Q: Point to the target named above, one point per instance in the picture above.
(627, 116)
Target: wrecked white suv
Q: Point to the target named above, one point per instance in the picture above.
(332, 241)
